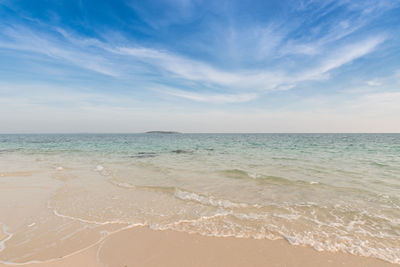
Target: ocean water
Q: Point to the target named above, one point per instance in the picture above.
(333, 192)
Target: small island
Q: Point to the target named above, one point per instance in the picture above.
(162, 132)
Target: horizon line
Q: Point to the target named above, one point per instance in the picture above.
(176, 132)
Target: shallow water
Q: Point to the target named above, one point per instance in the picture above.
(335, 192)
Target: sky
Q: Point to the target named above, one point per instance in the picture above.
(72, 66)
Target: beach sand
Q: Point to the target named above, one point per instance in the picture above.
(2, 234)
(145, 247)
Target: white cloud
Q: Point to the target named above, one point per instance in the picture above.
(261, 80)
(23, 39)
(378, 104)
(36, 95)
(128, 62)
(373, 83)
(194, 70)
(211, 98)
(349, 53)
(341, 56)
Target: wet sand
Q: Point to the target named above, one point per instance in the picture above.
(2, 235)
(145, 247)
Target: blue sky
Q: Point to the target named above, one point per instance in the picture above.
(199, 66)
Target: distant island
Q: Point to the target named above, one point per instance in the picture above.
(162, 132)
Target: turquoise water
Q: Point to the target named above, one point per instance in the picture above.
(335, 192)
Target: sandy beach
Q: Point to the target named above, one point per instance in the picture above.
(93, 208)
(145, 247)
(2, 235)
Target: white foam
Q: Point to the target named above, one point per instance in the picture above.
(99, 168)
(59, 168)
(123, 185)
(9, 236)
(253, 175)
(55, 212)
(207, 200)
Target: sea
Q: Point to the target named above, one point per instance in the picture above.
(61, 193)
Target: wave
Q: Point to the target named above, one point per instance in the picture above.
(56, 213)
(148, 188)
(207, 200)
(281, 181)
(334, 228)
(8, 234)
(241, 174)
(345, 228)
(185, 195)
(222, 225)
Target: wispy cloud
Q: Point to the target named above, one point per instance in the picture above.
(24, 39)
(35, 95)
(211, 98)
(257, 80)
(97, 56)
(341, 56)
(373, 83)
(194, 70)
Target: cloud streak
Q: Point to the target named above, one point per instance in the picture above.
(211, 98)
(342, 56)
(24, 39)
(103, 58)
(258, 80)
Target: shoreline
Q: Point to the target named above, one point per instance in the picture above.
(142, 246)
(74, 201)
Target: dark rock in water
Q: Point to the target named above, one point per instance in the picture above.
(147, 153)
(181, 151)
(144, 155)
(162, 132)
